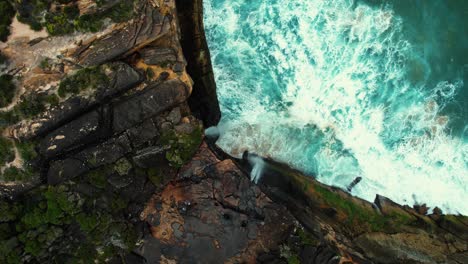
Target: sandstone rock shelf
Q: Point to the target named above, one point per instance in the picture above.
(115, 166)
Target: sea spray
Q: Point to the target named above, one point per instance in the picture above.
(344, 88)
(258, 165)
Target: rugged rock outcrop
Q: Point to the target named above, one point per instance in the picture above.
(204, 100)
(379, 232)
(110, 164)
(211, 213)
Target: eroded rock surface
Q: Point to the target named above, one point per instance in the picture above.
(212, 213)
(108, 162)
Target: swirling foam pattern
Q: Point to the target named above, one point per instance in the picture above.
(341, 89)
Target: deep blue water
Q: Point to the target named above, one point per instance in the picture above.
(343, 88)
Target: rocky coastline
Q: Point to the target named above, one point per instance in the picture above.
(107, 161)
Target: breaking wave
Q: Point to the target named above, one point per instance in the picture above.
(341, 89)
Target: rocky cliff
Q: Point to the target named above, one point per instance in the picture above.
(103, 157)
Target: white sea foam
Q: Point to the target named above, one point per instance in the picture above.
(324, 86)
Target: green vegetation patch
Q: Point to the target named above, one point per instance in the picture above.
(84, 79)
(7, 12)
(32, 12)
(29, 105)
(181, 146)
(120, 12)
(7, 153)
(62, 21)
(98, 177)
(3, 58)
(27, 154)
(155, 176)
(7, 90)
(359, 217)
(15, 174)
(65, 17)
(57, 225)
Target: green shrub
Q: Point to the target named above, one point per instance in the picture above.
(27, 153)
(3, 58)
(88, 23)
(44, 64)
(87, 222)
(29, 105)
(7, 153)
(7, 90)
(121, 12)
(32, 12)
(84, 79)
(26, 150)
(67, 19)
(149, 74)
(62, 23)
(7, 12)
(55, 225)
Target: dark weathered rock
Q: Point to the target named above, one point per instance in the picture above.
(122, 77)
(158, 56)
(402, 248)
(383, 233)
(106, 153)
(150, 157)
(204, 100)
(174, 116)
(143, 133)
(62, 170)
(201, 221)
(138, 33)
(127, 113)
(118, 181)
(151, 102)
(79, 132)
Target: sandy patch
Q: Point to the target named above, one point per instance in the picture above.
(20, 30)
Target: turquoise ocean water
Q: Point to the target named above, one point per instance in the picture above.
(340, 89)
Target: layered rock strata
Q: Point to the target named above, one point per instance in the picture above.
(111, 164)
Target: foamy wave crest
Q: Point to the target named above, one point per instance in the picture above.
(334, 89)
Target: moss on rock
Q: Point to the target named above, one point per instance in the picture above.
(7, 90)
(182, 146)
(7, 153)
(56, 225)
(84, 79)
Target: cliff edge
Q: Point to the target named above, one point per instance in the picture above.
(103, 156)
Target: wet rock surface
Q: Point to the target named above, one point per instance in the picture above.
(211, 213)
(125, 175)
(361, 232)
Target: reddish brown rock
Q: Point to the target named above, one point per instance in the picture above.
(212, 213)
